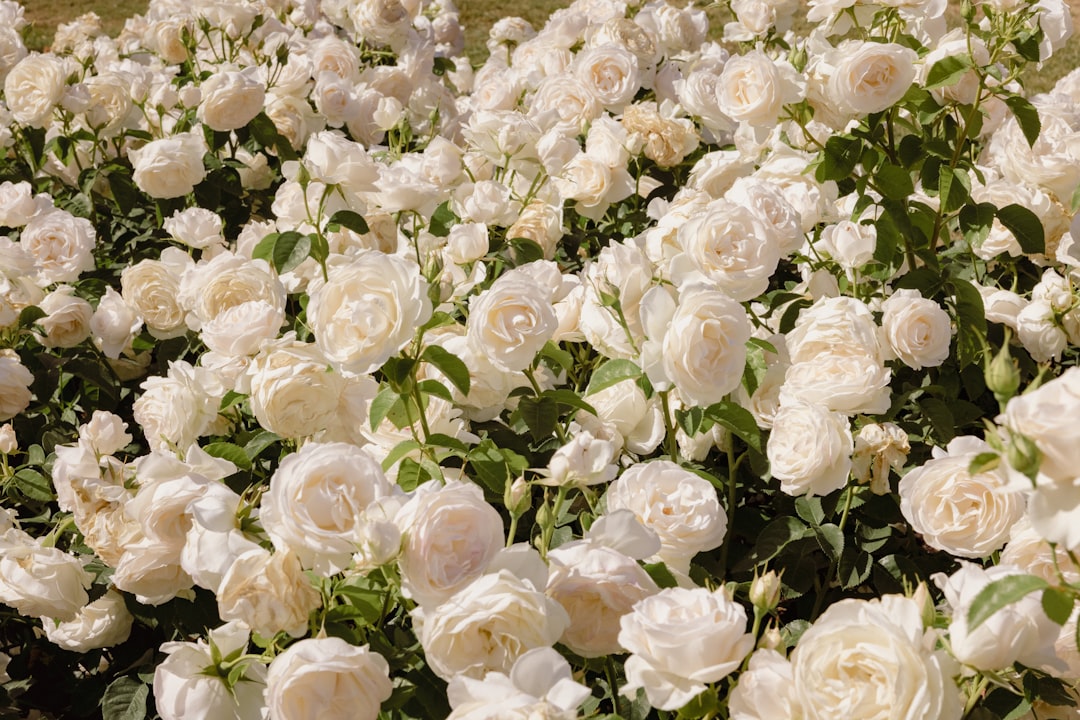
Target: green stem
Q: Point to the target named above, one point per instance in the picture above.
(612, 678)
(556, 508)
(671, 444)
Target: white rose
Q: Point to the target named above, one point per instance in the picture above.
(150, 571)
(15, 381)
(875, 656)
(849, 243)
(611, 73)
(596, 585)
(18, 204)
(231, 99)
(177, 409)
(1038, 332)
(268, 592)
(593, 184)
(488, 625)
(40, 581)
(293, 391)
(152, 288)
(170, 167)
(963, 514)
(101, 624)
(8, 442)
(624, 271)
(584, 460)
(114, 324)
(836, 325)
(871, 76)
(1037, 415)
(809, 449)
(316, 501)
(450, 537)
(849, 384)
(638, 420)
(753, 88)
(196, 227)
(918, 330)
(67, 318)
(540, 685)
(183, 688)
(327, 677)
(510, 322)
(335, 160)
(34, 87)
(1031, 633)
(730, 246)
(878, 448)
(293, 117)
(367, 310)
(681, 640)
(1031, 553)
(61, 245)
(764, 689)
(681, 507)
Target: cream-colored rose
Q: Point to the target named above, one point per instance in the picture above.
(665, 140)
(963, 514)
(488, 625)
(584, 460)
(335, 160)
(809, 449)
(918, 330)
(450, 535)
(327, 677)
(294, 392)
(1031, 553)
(101, 624)
(1041, 336)
(871, 76)
(18, 205)
(510, 322)
(268, 592)
(611, 73)
(183, 688)
(837, 325)
(61, 245)
(34, 87)
(196, 227)
(231, 99)
(1037, 416)
(40, 581)
(681, 507)
(152, 288)
(875, 656)
(67, 318)
(753, 88)
(878, 448)
(114, 324)
(623, 271)
(596, 585)
(848, 384)
(316, 501)
(849, 243)
(764, 689)
(681, 640)
(704, 348)
(593, 184)
(1031, 633)
(540, 685)
(367, 310)
(170, 167)
(8, 442)
(177, 409)
(15, 381)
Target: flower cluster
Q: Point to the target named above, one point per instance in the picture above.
(643, 369)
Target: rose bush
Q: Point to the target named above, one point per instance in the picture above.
(639, 370)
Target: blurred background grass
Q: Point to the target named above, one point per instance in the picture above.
(476, 15)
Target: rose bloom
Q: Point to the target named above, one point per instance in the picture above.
(681, 507)
(753, 88)
(451, 534)
(809, 449)
(152, 289)
(510, 322)
(177, 409)
(622, 270)
(196, 227)
(332, 158)
(268, 592)
(231, 99)
(34, 87)
(170, 167)
(367, 310)
(488, 625)
(18, 204)
(61, 245)
(294, 392)
(835, 325)
(103, 623)
(918, 330)
(316, 500)
(681, 640)
(67, 319)
(327, 678)
(596, 585)
(873, 660)
(39, 581)
(15, 381)
(963, 514)
(764, 691)
(611, 73)
(1037, 416)
(844, 383)
(1031, 634)
(114, 324)
(183, 688)
(871, 76)
(540, 685)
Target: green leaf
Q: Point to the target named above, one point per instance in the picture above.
(810, 510)
(124, 699)
(1058, 604)
(266, 134)
(855, 567)
(840, 157)
(411, 474)
(976, 220)
(231, 398)
(30, 315)
(954, 188)
(284, 251)
(1026, 116)
(33, 485)
(1000, 593)
(557, 355)
(436, 388)
(260, 442)
(738, 420)
(569, 398)
(941, 418)
(970, 322)
(540, 414)
(894, 182)
(352, 220)
(661, 575)
(831, 539)
(496, 466)
(450, 365)
(442, 220)
(773, 538)
(984, 462)
(381, 405)
(690, 420)
(947, 71)
(1025, 225)
(227, 451)
(611, 373)
(399, 451)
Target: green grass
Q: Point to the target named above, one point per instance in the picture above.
(476, 15)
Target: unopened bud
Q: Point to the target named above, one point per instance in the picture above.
(517, 497)
(765, 591)
(922, 598)
(8, 442)
(1002, 375)
(1023, 455)
(771, 639)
